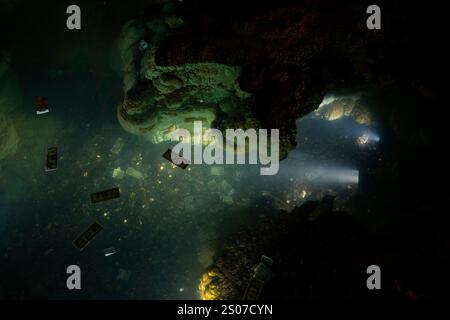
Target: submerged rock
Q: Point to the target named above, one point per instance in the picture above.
(160, 99)
(337, 107)
(209, 287)
(118, 173)
(204, 63)
(319, 253)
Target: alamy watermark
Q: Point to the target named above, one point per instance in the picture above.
(74, 280)
(73, 22)
(237, 144)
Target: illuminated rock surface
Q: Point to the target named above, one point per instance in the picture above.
(287, 67)
(326, 257)
(238, 73)
(160, 99)
(209, 287)
(335, 108)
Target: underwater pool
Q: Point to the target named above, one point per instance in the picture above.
(168, 223)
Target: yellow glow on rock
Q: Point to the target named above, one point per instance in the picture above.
(208, 287)
(335, 112)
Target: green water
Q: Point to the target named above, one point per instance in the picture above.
(166, 228)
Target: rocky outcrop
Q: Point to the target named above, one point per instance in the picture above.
(290, 53)
(241, 65)
(159, 99)
(266, 64)
(321, 254)
(334, 108)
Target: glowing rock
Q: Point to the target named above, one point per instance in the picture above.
(335, 112)
(209, 286)
(334, 108)
(118, 173)
(339, 108)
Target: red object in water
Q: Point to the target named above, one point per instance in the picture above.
(41, 104)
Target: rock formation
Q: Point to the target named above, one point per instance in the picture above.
(266, 64)
(321, 254)
(335, 108)
(240, 65)
(160, 99)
